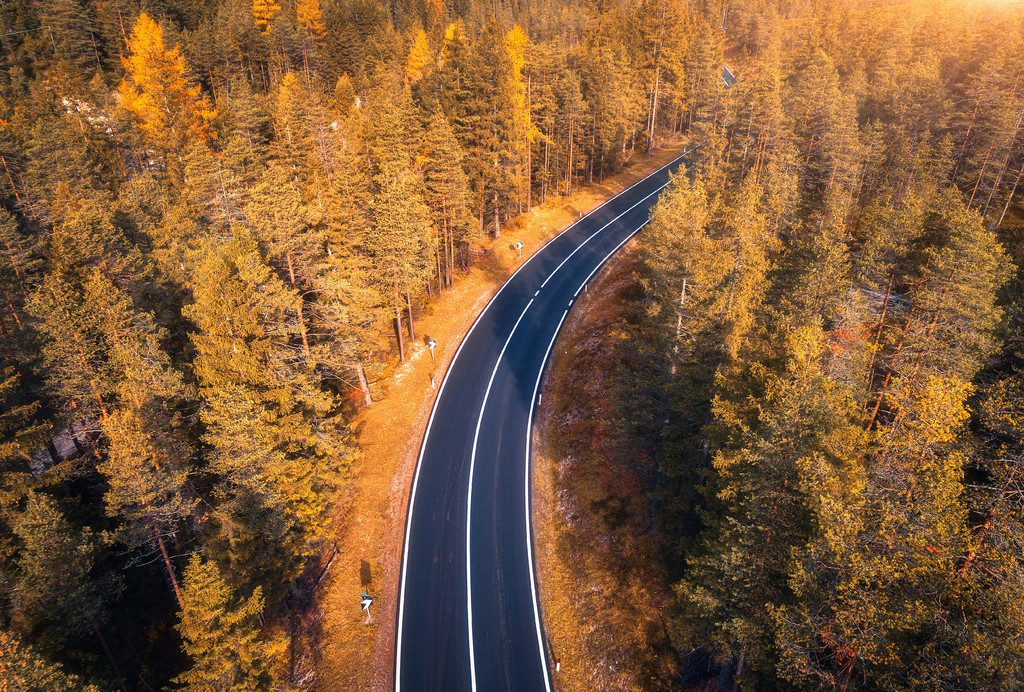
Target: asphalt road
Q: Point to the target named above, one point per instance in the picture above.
(468, 616)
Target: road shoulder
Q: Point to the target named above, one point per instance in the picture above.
(603, 595)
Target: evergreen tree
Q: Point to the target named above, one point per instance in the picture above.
(22, 669)
(220, 635)
(398, 245)
(446, 192)
(57, 597)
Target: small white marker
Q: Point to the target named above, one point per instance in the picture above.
(537, 293)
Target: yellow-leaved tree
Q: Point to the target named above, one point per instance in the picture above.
(263, 11)
(172, 111)
(524, 132)
(309, 14)
(419, 57)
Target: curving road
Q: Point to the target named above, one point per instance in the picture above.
(468, 615)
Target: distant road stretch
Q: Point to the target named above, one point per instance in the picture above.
(468, 614)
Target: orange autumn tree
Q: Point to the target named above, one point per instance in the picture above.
(263, 12)
(419, 57)
(171, 110)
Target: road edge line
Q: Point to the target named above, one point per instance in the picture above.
(396, 676)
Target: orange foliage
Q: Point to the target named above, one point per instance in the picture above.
(419, 57)
(309, 15)
(171, 111)
(263, 11)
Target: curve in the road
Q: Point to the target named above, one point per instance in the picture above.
(468, 611)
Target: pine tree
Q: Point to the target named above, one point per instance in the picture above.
(398, 244)
(21, 434)
(146, 484)
(446, 192)
(276, 446)
(21, 263)
(23, 669)
(57, 596)
(220, 633)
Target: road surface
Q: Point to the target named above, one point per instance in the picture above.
(468, 615)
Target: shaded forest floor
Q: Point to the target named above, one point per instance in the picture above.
(603, 591)
(338, 644)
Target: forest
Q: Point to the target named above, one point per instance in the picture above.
(831, 351)
(216, 219)
(219, 221)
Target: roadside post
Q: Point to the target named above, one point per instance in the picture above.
(364, 604)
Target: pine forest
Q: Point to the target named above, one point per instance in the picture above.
(219, 221)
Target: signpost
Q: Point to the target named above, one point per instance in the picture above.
(431, 344)
(519, 248)
(365, 602)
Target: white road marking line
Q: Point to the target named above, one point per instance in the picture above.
(469, 499)
(430, 421)
(614, 250)
(537, 293)
(529, 523)
(580, 246)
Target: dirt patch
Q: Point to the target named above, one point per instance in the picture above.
(603, 593)
(352, 652)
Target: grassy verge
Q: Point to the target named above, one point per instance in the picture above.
(347, 651)
(603, 594)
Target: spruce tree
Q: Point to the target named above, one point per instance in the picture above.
(220, 633)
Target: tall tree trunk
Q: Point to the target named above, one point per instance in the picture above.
(654, 109)
(412, 327)
(110, 658)
(568, 167)
(168, 565)
(363, 385)
(1010, 197)
(1005, 166)
(497, 221)
(398, 333)
(544, 186)
(302, 318)
(529, 148)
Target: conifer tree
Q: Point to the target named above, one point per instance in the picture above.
(57, 596)
(21, 434)
(21, 263)
(276, 446)
(446, 192)
(146, 484)
(398, 244)
(170, 110)
(220, 634)
(23, 668)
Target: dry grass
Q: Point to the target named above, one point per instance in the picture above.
(353, 654)
(603, 594)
